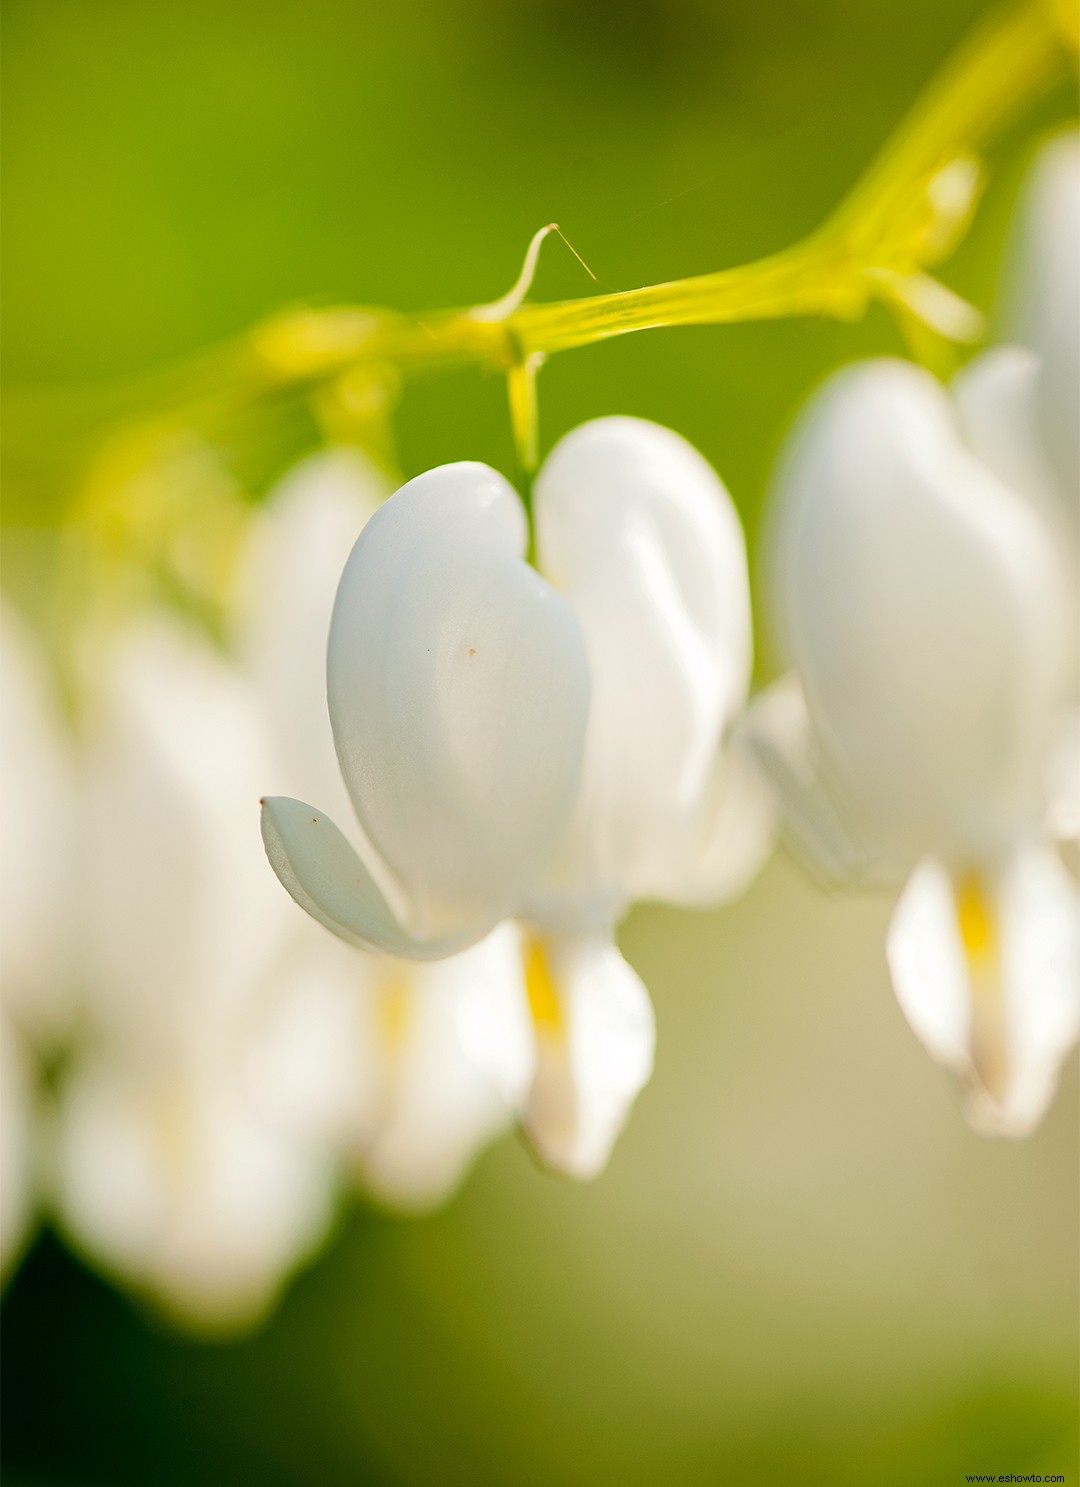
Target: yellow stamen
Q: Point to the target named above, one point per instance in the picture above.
(976, 918)
(989, 1024)
(395, 1012)
(543, 998)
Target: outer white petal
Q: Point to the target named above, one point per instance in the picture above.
(458, 691)
(16, 1138)
(324, 874)
(183, 1191)
(36, 863)
(595, 1037)
(1049, 315)
(639, 533)
(1001, 1013)
(291, 570)
(456, 1053)
(181, 921)
(924, 606)
(997, 400)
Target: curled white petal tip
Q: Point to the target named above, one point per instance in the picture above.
(595, 1038)
(986, 968)
(325, 875)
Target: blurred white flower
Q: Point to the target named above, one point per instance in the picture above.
(167, 1174)
(544, 745)
(924, 605)
(408, 1069)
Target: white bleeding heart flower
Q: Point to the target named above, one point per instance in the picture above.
(410, 1068)
(924, 606)
(539, 743)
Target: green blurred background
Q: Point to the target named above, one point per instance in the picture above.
(801, 1266)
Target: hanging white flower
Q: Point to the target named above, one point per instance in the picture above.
(409, 1068)
(924, 606)
(541, 743)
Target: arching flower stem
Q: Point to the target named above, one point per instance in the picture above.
(907, 211)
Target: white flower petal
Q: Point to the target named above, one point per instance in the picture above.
(986, 968)
(924, 606)
(324, 874)
(595, 1036)
(997, 402)
(458, 691)
(997, 409)
(638, 532)
(1049, 318)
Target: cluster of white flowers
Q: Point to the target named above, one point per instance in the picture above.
(534, 720)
